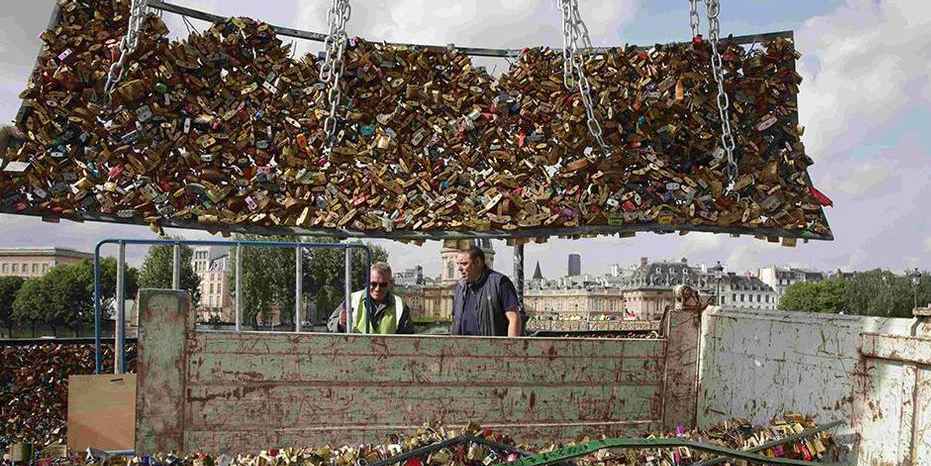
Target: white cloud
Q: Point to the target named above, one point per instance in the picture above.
(863, 179)
(870, 65)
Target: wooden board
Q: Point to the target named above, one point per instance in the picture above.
(101, 411)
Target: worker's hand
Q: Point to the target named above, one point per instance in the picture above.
(342, 317)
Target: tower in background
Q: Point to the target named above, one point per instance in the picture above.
(575, 265)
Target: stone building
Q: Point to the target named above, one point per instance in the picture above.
(36, 262)
(641, 293)
(780, 278)
(747, 292)
(211, 264)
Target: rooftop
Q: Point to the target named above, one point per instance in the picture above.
(47, 251)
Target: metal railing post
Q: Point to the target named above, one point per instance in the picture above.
(238, 310)
(348, 291)
(298, 286)
(176, 267)
(97, 353)
(119, 356)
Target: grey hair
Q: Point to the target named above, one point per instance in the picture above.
(382, 268)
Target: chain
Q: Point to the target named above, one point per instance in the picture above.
(137, 11)
(575, 34)
(727, 138)
(331, 70)
(694, 19)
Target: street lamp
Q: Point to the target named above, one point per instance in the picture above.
(718, 273)
(915, 275)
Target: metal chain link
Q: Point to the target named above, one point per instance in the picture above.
(694, 19)
(137, 12)
(727, 137)
(331, 71)
(575, 34)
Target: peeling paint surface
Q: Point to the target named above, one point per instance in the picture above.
(256, 390)
(760, 364)
(160, 372)
(893, 402)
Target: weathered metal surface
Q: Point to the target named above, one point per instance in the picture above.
(892, 400)
(682, 362)
(897, 348)
(761, 364)
(593, 325)
(164, 319)
(257, 390)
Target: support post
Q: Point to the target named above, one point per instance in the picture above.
(348, 291)
(519, 271)
(238, 287)
(176, 267)
(120, 327)
(298, 286)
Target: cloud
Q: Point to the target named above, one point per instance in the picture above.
(867, 64)
(512, 24)
(864, 179)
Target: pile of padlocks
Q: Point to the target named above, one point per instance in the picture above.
(34, 387)
(224, 130)
(737, 435)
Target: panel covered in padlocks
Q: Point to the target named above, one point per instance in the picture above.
(738, 434)
(224, 130)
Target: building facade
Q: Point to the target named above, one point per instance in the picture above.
(780, 278)
(36, 262)
(449, 275)
(747, 292)
(211, 264)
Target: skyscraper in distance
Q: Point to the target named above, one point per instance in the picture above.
(575, 265)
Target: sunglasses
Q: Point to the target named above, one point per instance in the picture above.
(378, 284)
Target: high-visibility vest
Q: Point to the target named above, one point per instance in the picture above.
(386, 326)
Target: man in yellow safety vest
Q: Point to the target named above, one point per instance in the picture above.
(381, 312)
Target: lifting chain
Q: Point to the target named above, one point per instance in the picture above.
(332, 68)
(694, 19)
(575, 36)
(727, 138)
(137, 11)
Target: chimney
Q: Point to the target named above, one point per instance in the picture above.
(643, 261)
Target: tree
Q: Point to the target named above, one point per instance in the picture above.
(31, 301)
(879, 293)
(826, 296)
(83, 274)
(268, 277)
(157, 271)
(8, 288)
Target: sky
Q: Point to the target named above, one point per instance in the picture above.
(864, 102)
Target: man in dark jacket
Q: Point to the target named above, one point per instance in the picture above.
(485, 302)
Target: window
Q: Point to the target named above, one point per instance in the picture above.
(741, 297)
(734, 297)
(759, 298)
(450, 273)
(15, 268)
(211, 290)
(4, 268)
(44, 268)
(35, 268)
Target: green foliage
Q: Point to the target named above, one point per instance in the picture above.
(65, 295)
(156, 270)
(876, 292)
(8, 288)
(825, 296)
(268, 277)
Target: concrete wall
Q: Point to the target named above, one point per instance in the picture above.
(760, 364)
